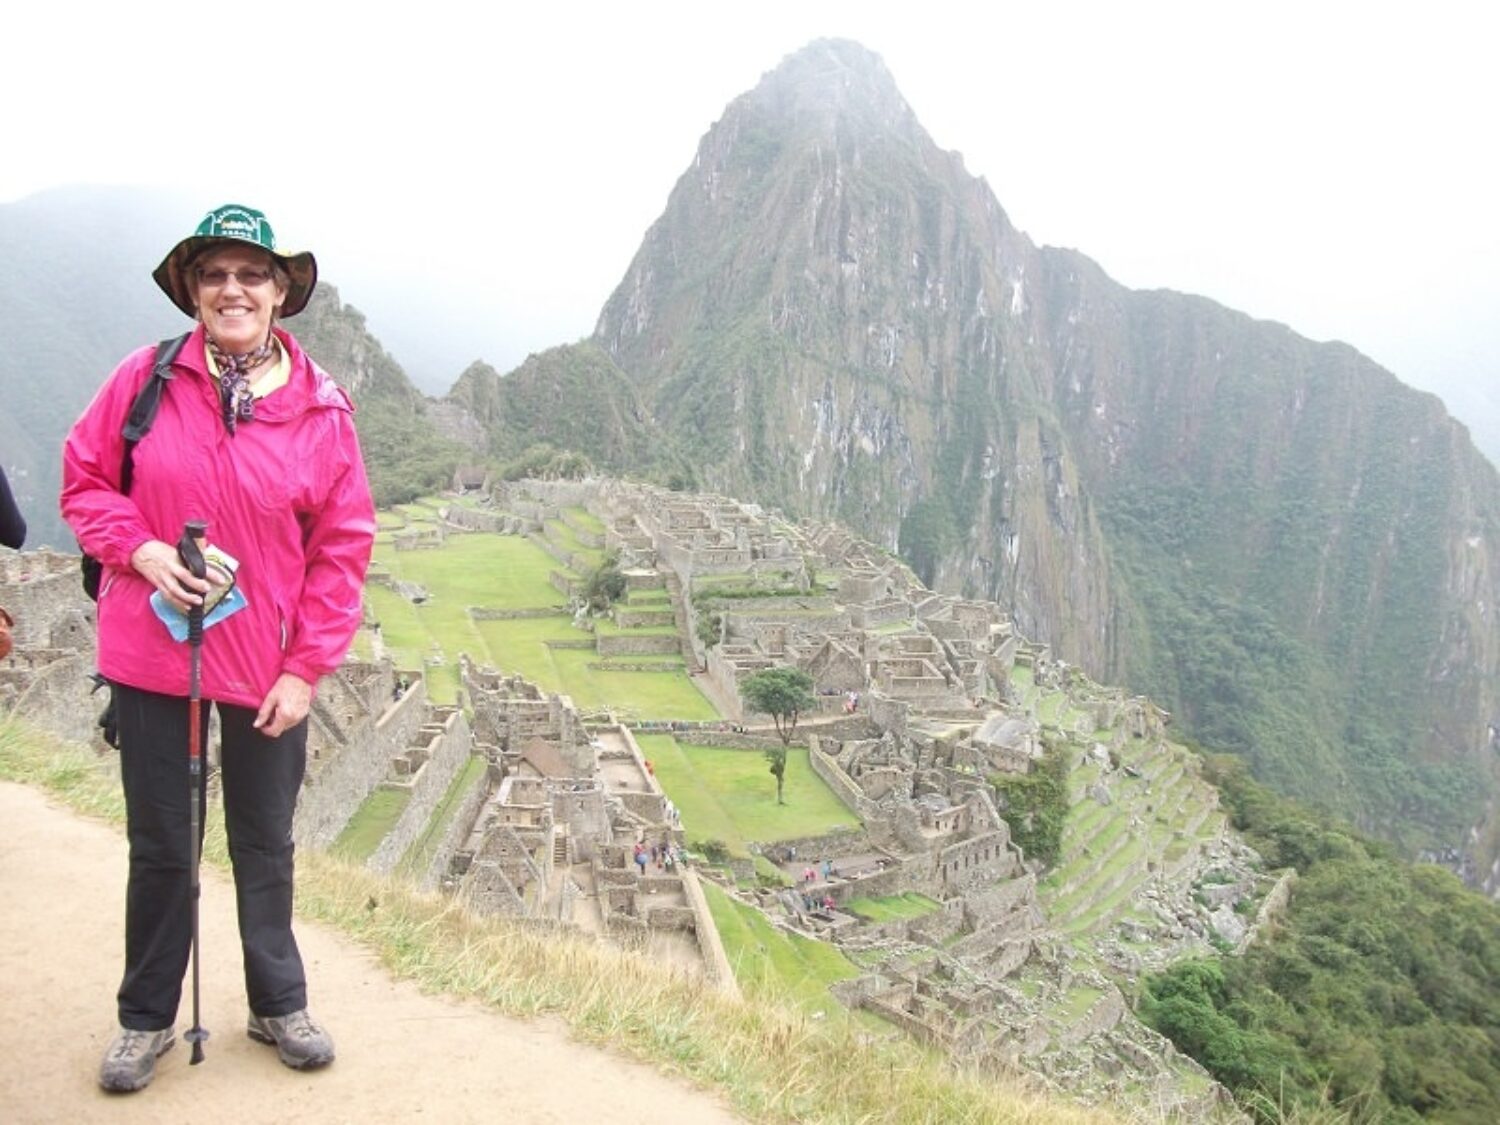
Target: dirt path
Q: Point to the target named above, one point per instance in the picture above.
(402, 1056)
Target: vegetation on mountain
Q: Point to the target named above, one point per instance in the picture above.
(1378, 993)
(565, 411)
(406, 458)
(1271, 536)
(1035, 804)
(546, 463)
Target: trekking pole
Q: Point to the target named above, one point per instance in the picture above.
(191, 550)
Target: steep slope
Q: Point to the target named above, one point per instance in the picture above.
(1273, 536)
(572, 398)
(827, 314)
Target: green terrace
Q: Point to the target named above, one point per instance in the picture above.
(371, 823)
(772, 963)
(893, 908)
(583, 518)
(420, 855)
(505, 572)
(565, 537)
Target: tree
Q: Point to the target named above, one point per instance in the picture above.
(776, 755)
(605, 585)
(782, 693)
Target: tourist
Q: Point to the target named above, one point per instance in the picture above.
(254, 438)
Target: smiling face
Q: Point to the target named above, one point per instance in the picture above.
(237, 294)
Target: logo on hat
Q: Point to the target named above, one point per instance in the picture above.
(238, 222)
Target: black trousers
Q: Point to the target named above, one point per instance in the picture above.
(260, 780)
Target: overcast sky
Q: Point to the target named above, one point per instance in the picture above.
(1330, 165)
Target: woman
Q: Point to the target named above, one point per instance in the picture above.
(256, 440)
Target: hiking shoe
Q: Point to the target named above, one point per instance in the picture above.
(300, 1042)
(130, 1062)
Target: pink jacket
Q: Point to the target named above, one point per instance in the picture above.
(286, 495)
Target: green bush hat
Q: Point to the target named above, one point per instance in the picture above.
(235, 223)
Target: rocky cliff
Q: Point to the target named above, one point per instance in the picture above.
(1274, 536)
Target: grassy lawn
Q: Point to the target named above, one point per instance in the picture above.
(498, 571)
(520, 647)
(367, 827)
(730, 795)
(890, 908)
(774, 964)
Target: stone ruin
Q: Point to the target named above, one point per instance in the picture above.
(548, 830)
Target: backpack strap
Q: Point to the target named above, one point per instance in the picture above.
(143, 410)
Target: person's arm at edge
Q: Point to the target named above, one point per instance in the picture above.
(12, 523)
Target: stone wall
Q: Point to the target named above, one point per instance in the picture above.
(581, 807)
(54, 693)
(976, 861)
(448, 751)
(627, 618)
(627, 645)
(479, 519)
(834, 845)
(888, 714)
(843, 786)
(710, 945)
(40, 589)
(331, 797)
(1105, 1013)
(488, 613)
(1271, 908)
(879, 614)
(460, 824)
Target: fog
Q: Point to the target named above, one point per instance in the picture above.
(477, 182)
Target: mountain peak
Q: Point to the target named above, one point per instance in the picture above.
(832, 78)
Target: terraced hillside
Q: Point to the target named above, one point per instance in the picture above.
(902, 893)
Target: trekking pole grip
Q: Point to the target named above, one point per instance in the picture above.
(190, 549)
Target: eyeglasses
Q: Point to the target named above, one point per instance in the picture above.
(249, 277)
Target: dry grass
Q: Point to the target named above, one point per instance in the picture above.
(770, 1063)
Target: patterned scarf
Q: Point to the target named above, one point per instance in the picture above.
(234, 380)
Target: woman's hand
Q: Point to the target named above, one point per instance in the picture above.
(159, 564)
(285, 705)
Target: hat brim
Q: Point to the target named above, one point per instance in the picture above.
(172, 274)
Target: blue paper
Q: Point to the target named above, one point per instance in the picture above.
(177, 623)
